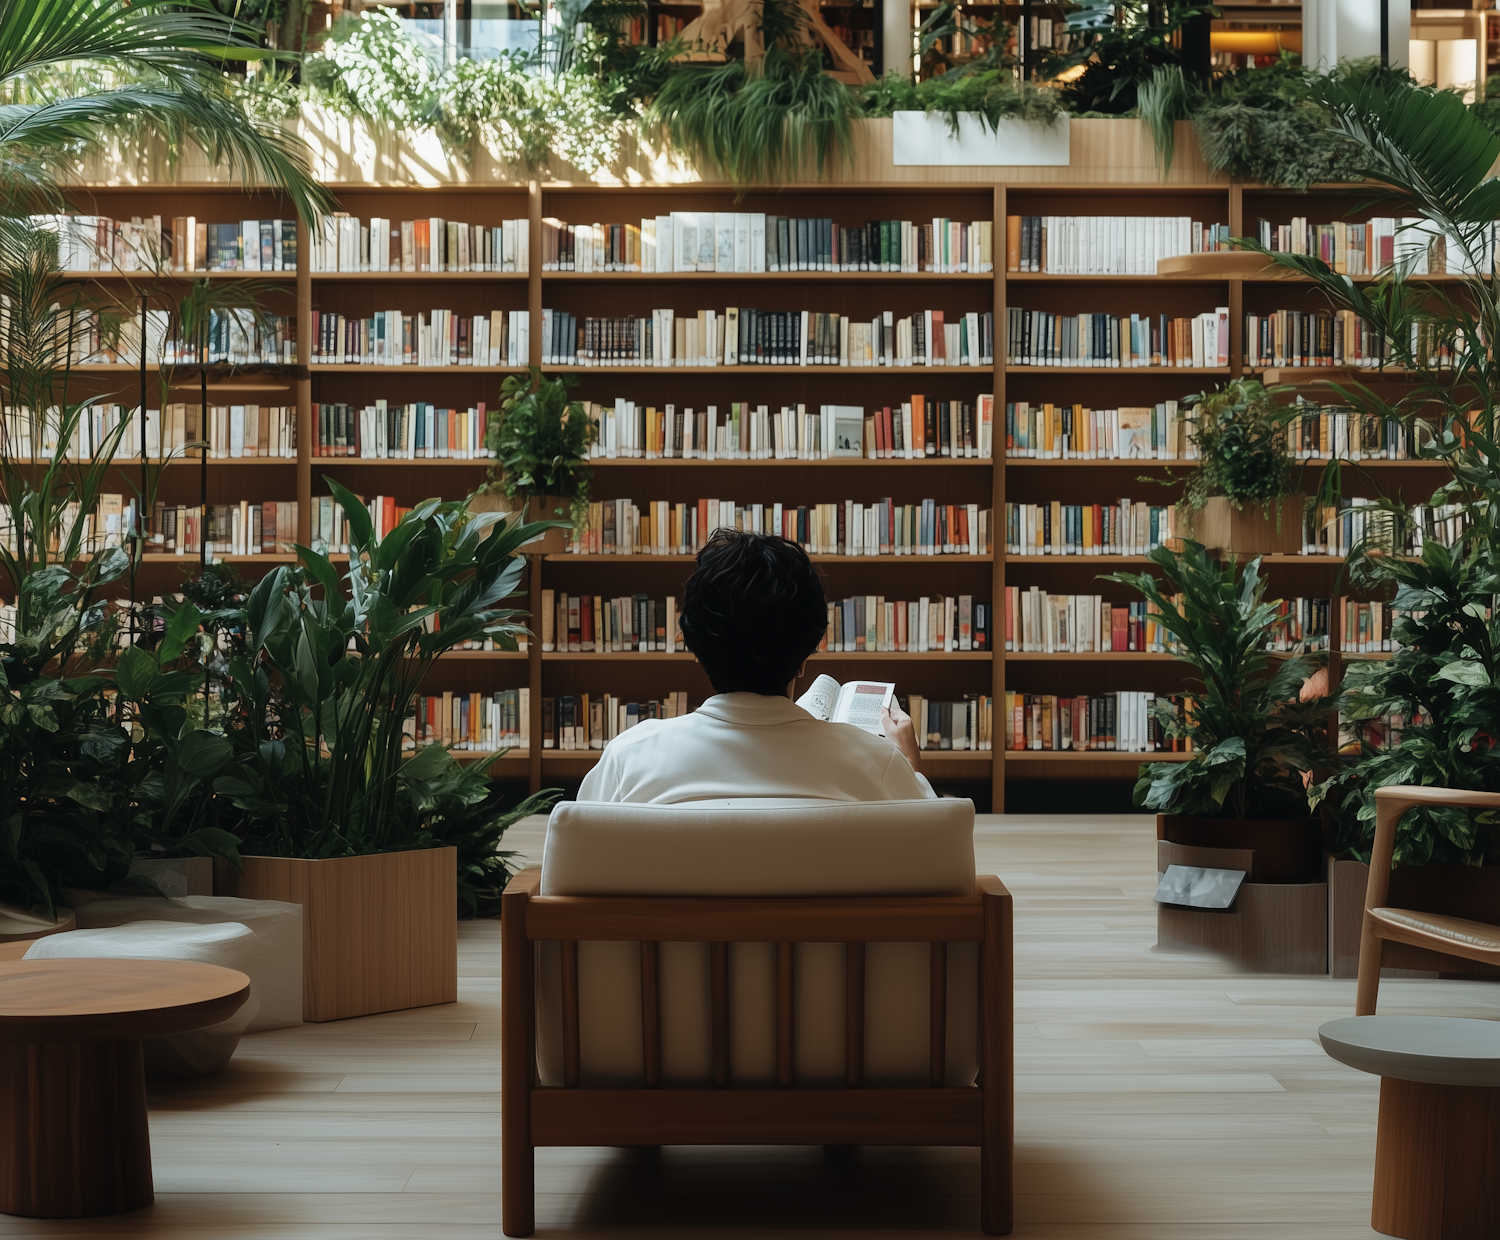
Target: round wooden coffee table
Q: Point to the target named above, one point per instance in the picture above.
(1437, 1149)
(73, 1136)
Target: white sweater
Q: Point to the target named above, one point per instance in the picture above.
(747, 745)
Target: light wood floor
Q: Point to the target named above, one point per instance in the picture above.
(1158, 1097)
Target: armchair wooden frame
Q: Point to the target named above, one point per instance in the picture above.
(1452, 936)
(534, 1115)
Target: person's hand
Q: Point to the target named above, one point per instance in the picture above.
(897, 726)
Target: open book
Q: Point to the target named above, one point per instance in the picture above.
(859, 702)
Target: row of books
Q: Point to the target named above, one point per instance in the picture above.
(1041, 338)
(1366, 249)
(329, 526)
(1128, 527)
(1337, 433)
(743, 336)
(1105, 245)
(1313, 338)
(234, 432)
(578, 722)
(99, 243)
(1049, 432)
(438, 338)
(347, 243)
(753, 242)
(266, 527)
(967, 724)
(941, 624)
(1124, 721)
(385, 431)
(662, 527)
(1043, 623)
(482, 722)
(1378, 732)
(234, 337)
(918, 428)
(591, 622)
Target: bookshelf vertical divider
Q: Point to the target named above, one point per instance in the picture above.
(304, 394)
(998, 462)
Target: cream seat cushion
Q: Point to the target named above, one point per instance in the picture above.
(761, 847)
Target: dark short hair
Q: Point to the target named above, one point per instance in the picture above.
(752, 611)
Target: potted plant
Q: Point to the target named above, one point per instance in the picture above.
(1253, 739)
(1428, 714)
(333, 814)
(1239, 500)
(541, 440)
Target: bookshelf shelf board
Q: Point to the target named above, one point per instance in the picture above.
(1091, 755)
(1086, 560)
(484, 654)
(383, 462)
(195, 461)
(1057, 277)
(180, 276)
(837, 462)
(196, 557)
(929, 371)
(422, 277)
(566, 558)
(1366, 654)
(788, 277)
(364, 368)
(480, 755)
(154, 369)
(1113, 372)
(1273, 376)
(1091, 656)
(580, 760)
(859, 656)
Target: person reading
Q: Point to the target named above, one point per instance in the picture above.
(752, 613)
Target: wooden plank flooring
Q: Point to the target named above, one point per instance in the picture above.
(1159, 1096)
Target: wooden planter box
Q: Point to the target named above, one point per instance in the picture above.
(379, 933)
(1273, 927)
(1285, 850)
(1471, 892)
(548, 508)
(1253, 530)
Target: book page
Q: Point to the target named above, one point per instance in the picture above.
(860, 703)
(820, 696)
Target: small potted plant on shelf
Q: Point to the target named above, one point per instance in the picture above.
(1240, 500)
(540, 440)
(334, 813)
(1254, 736)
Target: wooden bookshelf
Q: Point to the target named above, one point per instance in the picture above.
(989, 483)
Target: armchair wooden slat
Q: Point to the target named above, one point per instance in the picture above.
(1451, 936)
(718, 968)
(784, 990)
(981, 1114)
(854, 1015)
(651, 1013)
(937, 1020)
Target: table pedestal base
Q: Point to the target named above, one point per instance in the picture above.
(1437, 1162)
(73, 1135)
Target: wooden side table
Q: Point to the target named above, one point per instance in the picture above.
(73, 1135)
(1437, 1151)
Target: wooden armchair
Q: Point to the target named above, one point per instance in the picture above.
(535, 1115)
(1438, 932)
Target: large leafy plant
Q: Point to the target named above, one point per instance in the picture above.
(1253, 739)
(541, 440)
(320, 699)
(1428, 158)
(1118, 46)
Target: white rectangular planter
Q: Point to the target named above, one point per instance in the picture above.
(923, 138)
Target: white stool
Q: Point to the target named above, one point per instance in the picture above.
(274, 969)
(1437, 1151)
